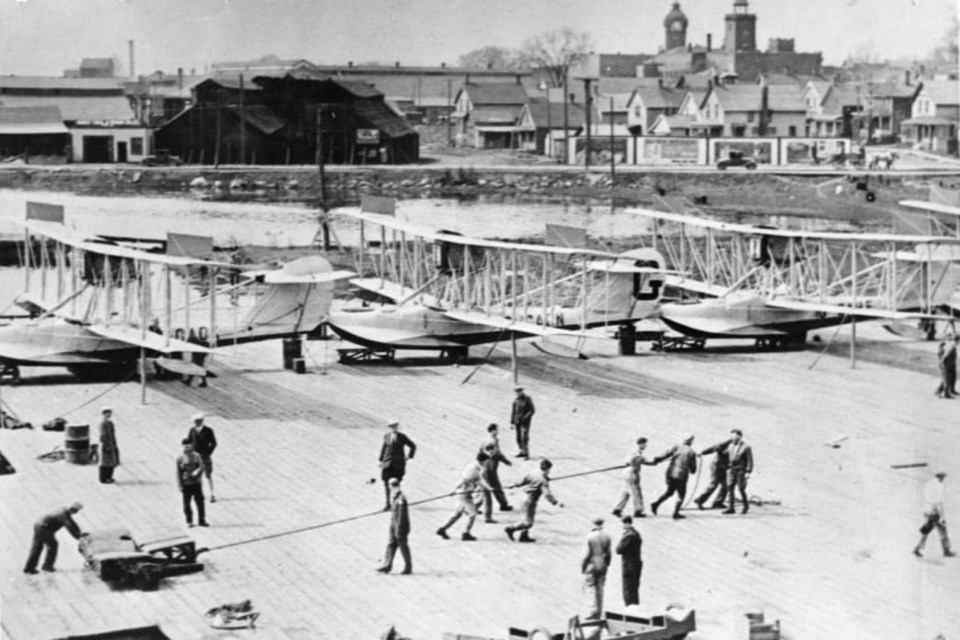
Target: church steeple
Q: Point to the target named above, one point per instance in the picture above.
(675, 25)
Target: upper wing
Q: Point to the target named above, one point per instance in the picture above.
(931, 207)
(498, 322)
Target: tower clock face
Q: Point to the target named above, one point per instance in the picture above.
(676, 26)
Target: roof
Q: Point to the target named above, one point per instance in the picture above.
(892, 90)
(76, 108)
(31, 121)
(45, 82)
(942, 91)
(260, 117)
(538, 113)
(748, 97)
(676, 121)
(383, 118)
(621, 65)
(616, 85)
(928, 120)
(842, 95)
(658, 97)
(620, 101)
(496, 93)
(496, 115)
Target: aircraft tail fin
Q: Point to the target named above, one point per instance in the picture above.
(297, 300)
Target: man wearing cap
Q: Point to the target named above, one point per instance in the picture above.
(521, 414)
(594, 567)
(632, 481)
(741, 466)
(631, 562)
(204, 441)
(683, 462)
(491, 474)
(935, 517)
(190, 482)
(471, 482)
(109, 453)
(399, 530)
(533, 486)
(393, 456)
(45, 535)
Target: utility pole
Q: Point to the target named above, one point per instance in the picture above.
(586, 106)
(449, 112)
(324, 226)
(566, 121)
(216, 152)
(613, 171)
(243, 127)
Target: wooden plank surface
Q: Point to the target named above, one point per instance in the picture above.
(832, 559)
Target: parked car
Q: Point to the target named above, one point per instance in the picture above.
(161, 158)
(737, 159)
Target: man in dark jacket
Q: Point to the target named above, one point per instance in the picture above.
(394, 456)
(204, 442)
(718, 475)
(109, 453)
(741, 466)
(521, 414)
(399, 530)
(491, 474)
(190, 482)
(683, 462)
(45, 535)
(631, 560)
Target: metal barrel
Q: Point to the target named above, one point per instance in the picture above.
(292, 349)
(77, 443)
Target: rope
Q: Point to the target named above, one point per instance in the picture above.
(126, 379)
(370, 514)
(826, 347)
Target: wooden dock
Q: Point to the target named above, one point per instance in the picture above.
(828, 552)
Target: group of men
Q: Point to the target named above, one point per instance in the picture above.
(729, 472)
(195, 463)
(598, 558)
(947, 362)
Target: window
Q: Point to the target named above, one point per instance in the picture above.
(136, 146)
(771, 131)
(792, 132)
(750, 116)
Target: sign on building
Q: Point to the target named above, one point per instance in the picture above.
(368, 136)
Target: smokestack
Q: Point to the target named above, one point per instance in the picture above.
(133, 73)
(709, 42)
(764, 108)
(180, 78)
(397, 64)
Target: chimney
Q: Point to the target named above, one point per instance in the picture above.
(660, 82)
(467, 79)
(130, 48)
(689, 47)
(179, 77)
(350, 64)
(443, 65)
(193, 71)
(397, 64)
(518, 79)
(709, 42)
(764, 109)
(906, 77)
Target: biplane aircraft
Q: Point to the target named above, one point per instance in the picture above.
(99, 306)
(448, 292)
(773, 285)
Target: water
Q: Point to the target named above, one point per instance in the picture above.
(295, 225)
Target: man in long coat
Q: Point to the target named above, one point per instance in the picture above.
(629, 549)
(741, 466)
(109, 453)
(399, 530)
(521, 415)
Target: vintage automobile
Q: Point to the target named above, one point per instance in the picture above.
(117, 557)
(737, 159)
(161, 158)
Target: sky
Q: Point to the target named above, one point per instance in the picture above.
(44, 37)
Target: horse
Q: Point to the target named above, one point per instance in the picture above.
(886, 159)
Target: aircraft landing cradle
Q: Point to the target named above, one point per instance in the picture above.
(828, 553)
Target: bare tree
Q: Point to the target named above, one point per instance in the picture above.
(495, 58)
(555, 52)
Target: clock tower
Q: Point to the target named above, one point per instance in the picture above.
(741, 28)
(675, 25)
